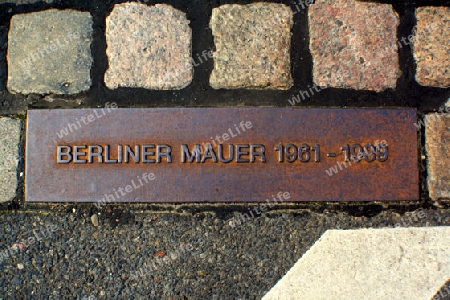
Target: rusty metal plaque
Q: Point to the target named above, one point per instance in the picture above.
(221, 155)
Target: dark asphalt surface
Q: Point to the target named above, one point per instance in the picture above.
(179, 253)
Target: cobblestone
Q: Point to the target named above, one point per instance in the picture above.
(356, 50)
(9, 157)
(437, 134)
(431, 46)
(252, 46)
(49, 52)
(148, 47)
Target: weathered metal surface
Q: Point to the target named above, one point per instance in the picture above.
(136, 155)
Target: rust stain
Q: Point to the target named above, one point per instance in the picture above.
(159, 254)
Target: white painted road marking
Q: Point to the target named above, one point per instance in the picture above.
(391, 263)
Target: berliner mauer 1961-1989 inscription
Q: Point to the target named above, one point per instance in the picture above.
(221, 154)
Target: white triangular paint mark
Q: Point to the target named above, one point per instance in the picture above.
(391, 263)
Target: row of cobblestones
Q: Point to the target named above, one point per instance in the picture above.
(149, 46)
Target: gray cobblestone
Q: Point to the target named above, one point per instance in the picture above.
(49, 52)
(9, 157)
